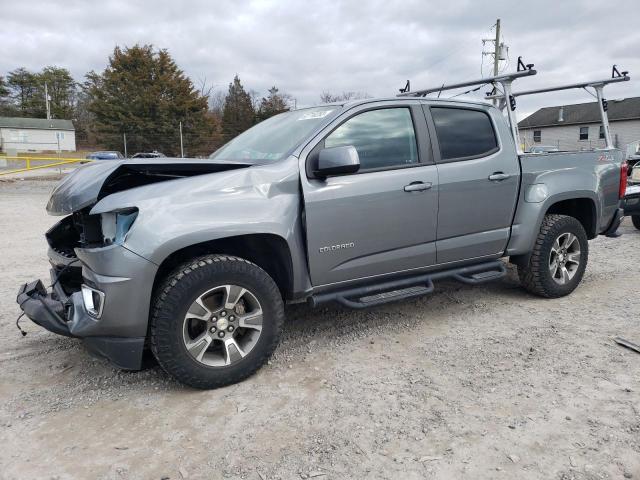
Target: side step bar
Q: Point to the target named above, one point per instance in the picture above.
(409, 287)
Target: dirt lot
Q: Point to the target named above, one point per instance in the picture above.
(471, 382)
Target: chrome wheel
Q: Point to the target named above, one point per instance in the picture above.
(222, 325)
(564, 260)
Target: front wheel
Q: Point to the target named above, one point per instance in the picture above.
(635, 219)
(559, 258)
(215, 321)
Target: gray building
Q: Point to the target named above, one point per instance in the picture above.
(19, 134)
(578, 127)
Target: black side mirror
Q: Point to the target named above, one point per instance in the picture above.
(337, 160)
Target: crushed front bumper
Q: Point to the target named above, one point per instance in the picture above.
(113, 324)
(60, 314)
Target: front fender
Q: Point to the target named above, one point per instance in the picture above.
(177, 214)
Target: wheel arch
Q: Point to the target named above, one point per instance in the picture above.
(582, 209)
(269, 251)
(580, 205)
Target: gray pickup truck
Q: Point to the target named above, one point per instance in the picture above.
(359, 203)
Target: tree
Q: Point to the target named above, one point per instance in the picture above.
(62, 91)
(6, 107)
(142, 93)
(27, 92)
(238, 113)
(23, 87)
(327, 97)
(273, 104)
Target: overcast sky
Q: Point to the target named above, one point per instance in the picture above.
(307, 47)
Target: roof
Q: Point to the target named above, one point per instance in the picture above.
(427, 99)
(37, 123)
(624, 109)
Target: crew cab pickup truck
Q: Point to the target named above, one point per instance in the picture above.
(358, 203)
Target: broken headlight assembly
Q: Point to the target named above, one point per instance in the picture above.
(116, 225)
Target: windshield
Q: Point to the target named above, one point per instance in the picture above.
(274, 138)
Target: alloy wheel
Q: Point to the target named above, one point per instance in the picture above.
(222, 325)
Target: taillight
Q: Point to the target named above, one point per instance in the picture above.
(623, 180)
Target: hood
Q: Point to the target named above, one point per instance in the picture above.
(94, 181)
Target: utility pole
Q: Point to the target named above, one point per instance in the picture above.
(496, 51)
(47, 99)
(124, 139)
(181, 149)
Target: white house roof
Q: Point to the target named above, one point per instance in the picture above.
(36, 123)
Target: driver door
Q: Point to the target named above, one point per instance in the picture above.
(382, 219)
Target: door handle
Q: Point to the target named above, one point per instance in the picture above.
(417, 187)
(498, 176)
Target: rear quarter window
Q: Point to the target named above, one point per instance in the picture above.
(463, 133)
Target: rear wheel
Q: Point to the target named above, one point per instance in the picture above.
(635, 219)
(215, 321)
(559, 258)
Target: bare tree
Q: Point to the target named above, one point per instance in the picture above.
(205, 88)
(216, 102)
(328, 97)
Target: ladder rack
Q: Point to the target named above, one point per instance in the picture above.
(508, 97)
(597, 85)
(504, 80)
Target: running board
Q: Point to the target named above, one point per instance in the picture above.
(409, 287)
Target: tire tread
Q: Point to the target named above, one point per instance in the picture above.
(167, 299)
(534, 277)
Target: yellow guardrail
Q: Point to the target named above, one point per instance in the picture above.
(29, 163)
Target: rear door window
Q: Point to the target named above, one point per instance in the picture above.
(463, 133)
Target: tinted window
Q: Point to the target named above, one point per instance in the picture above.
(463, 133)
(383, 138)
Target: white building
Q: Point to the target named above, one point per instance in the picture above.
(577, 127)
(36, 135)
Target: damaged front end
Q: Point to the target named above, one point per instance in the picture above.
(96, 307)
(101, 288)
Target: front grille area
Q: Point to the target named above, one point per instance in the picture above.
(63, 237)
(79, 230)
(88, 228)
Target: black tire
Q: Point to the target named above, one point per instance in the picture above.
(635, 219)
(181, 288)
(536, 276)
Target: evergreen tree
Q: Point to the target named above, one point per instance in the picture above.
(6, 107)
(62, 92)
(23, 86)
(142, 93)
(238, 114)
(273, 104)
(27, 92)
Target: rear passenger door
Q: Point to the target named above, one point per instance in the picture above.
(381, 219)
(478, 174)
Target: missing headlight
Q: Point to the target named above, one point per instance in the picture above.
(116, 225)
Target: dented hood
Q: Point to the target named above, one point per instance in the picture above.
(89, 183)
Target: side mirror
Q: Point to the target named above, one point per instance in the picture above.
(337, 160)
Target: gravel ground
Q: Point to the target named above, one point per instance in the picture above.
(470, 382)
